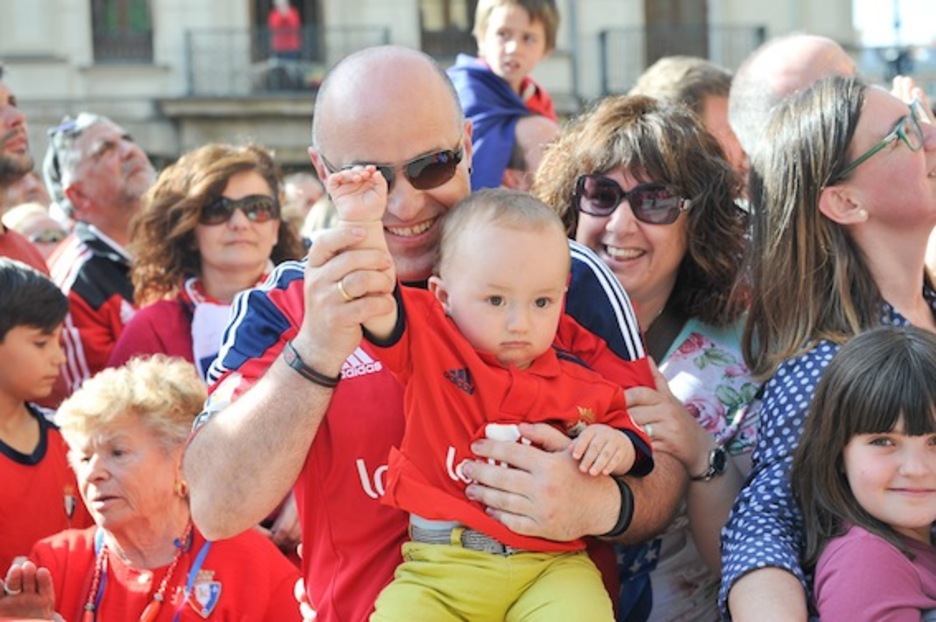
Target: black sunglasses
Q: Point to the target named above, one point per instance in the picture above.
(424, 173)
(652, 203)
(256, 207)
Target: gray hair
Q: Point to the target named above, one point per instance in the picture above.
(62, 157)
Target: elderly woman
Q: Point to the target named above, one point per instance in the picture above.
(844, 198)
(126, 428)
(644, 185)
(210, 228)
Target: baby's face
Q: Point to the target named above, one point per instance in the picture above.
(505, 290)
(513, 44)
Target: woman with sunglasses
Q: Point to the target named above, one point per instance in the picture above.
(844, 198)
(646, 187)
(209, 228)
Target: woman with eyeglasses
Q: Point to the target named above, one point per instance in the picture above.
(844, 198)
(644, 185)
(210, 227)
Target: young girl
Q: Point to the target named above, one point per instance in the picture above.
(865, 478)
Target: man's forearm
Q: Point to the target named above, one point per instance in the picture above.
(243, 461)
(656, 499)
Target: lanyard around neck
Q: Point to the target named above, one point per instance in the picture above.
(189, 584)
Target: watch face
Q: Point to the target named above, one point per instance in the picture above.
(719, 460)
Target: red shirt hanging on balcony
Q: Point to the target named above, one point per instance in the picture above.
(285, 30)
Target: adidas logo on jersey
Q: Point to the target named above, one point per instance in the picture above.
(360, 363)
(461, 379)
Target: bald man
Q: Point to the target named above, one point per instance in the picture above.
(298, 397)
(533, 134)
(776, 70)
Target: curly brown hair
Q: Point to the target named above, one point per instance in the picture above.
(163, 240)
(666, 143)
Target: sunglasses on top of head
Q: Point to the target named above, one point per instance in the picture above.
(423, 173)
(256, 207)
(652, 203)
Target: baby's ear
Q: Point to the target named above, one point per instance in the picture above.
(437, 288)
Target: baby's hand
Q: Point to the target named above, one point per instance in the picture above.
(359, 194)
(603, 450)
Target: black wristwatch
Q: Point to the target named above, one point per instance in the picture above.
(717, 461)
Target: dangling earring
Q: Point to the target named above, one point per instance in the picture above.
(182, 489)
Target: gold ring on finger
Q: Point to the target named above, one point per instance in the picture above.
(341, 290)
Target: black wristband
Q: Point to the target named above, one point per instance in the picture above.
(292, 358)
(626, 512)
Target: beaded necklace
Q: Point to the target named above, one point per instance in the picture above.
(100, 578)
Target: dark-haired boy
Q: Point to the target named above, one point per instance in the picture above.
(39, 495)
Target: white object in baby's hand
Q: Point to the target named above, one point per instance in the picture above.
(509, 432)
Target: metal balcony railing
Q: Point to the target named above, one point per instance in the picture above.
(626, 52)
(123, 47)
(238, 62)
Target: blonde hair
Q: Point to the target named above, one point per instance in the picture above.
(164, 393)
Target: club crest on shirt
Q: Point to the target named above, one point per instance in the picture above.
(70, 500)
(204, 597)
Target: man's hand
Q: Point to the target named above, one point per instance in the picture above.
(331, 326)
(543, 494)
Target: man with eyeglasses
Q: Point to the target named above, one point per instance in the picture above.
(15, 163)
(97, 175)
(296, 393)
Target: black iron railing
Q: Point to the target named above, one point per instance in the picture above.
(626, 52)
(232, 62)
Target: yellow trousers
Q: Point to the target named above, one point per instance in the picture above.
(441, 582)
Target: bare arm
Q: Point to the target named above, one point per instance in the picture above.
(767, 594)
(708, 504)
(677, 433)
(656, 499)
(244, 460)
